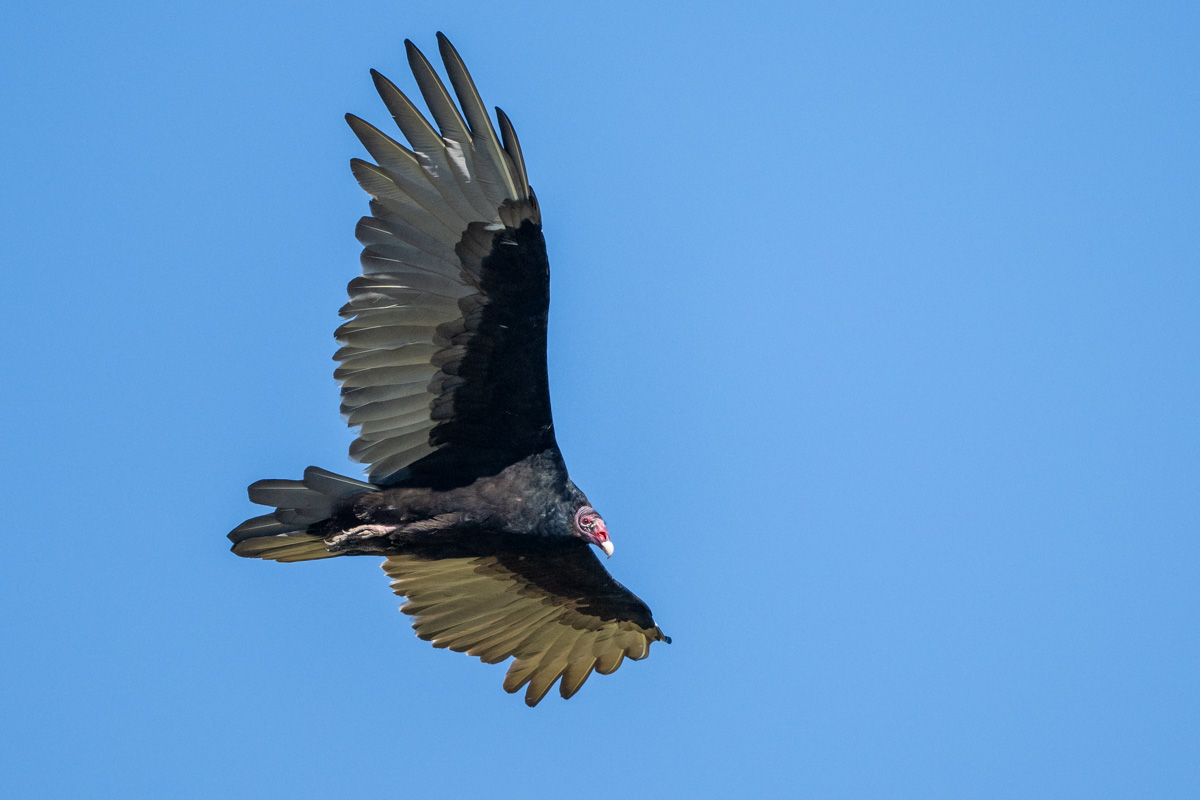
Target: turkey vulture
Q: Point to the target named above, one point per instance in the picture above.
(443, 371)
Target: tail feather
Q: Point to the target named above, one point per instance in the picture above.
(331, 484)
(286, 494)
(284, 534)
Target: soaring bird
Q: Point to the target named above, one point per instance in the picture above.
(442, 368)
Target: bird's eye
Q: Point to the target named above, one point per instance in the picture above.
(587, 522)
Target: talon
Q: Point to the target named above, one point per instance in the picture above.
(360, 534)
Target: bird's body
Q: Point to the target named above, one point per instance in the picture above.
(443, 370)
(529, 498)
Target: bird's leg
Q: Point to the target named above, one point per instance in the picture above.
(363, 540)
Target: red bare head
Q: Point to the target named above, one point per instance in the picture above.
(592, 528)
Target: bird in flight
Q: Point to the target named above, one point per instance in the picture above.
(442, 368)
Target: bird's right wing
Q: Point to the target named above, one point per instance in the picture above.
(548, 603)
(443, 363)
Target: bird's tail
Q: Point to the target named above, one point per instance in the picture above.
(284, 534)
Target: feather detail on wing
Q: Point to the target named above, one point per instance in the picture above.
(453, 292)
(547, 603)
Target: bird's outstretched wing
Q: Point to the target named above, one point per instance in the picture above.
(548, 603)
(443, 359)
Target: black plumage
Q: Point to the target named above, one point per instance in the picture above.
(443, 371)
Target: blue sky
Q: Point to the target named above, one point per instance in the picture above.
(874, 337)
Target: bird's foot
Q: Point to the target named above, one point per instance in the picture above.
(362, 540)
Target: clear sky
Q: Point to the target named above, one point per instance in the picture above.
(875, 338)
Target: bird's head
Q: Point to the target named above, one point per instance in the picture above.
(591, 528)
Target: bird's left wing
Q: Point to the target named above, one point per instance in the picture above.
(548, 603)
(443, 363)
